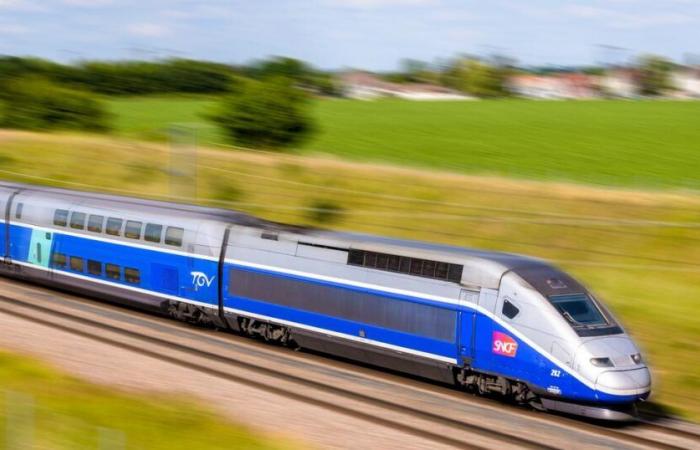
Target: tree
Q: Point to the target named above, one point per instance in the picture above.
(280, 66)
(302, 74)
(125, 77)
(38, 104)
(266, 114)
(654, 75)
(477, 78)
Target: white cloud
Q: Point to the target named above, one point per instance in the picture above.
(588, 12)
(21, 5)
(12, 29)
(621, 19)
(147, 29)
(201, 11)
(371, 4)
(10, 3)
(90, 3)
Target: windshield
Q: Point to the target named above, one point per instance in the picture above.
(578, 309)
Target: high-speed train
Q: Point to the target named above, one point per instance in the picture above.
(493, 322)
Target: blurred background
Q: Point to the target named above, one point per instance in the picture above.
(563, 130)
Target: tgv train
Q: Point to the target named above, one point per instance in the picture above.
(492, 322)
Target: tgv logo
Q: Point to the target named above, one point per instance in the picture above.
(200, 280)
(504, 344)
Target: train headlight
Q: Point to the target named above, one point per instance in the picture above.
(637, 358)
(602, 362)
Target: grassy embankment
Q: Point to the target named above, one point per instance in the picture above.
(639, 250)
(68, 414)
(648, 144)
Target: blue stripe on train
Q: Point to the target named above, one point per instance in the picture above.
(160, 272)
(347, 327)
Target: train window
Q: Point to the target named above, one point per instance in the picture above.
(153, 232)
(18, 212)
(132, 275)
(77, 220)
(578, 309)
(60, 217)
(95, 223)
(114, 226)
(509, 310)
(113, 271)
(173, 236)
(59, 260)
(133, 229)
(76, 263)
(94, 267)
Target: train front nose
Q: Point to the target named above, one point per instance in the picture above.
(635, 382)
(615, 366)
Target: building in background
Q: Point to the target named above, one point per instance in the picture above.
(367, 86)
(555, 86)
(687, 82)
(620, 83)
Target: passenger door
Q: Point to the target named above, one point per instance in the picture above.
(467, 324)
(40, 248)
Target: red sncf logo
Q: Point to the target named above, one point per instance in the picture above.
(504, 344)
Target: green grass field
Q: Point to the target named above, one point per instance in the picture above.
(647, 144)
(69, 414)
(639, 250)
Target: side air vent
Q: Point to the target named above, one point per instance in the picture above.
(404, 264)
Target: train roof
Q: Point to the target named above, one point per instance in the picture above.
(481, 267)
(184, 209)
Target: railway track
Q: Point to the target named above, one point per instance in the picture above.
(201, 350)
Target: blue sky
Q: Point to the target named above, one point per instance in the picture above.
(372, 34)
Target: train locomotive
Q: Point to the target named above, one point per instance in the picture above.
(492, 322)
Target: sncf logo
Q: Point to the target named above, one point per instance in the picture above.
(504, 344)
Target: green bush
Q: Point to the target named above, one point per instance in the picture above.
(266, 114)
(38, 104)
